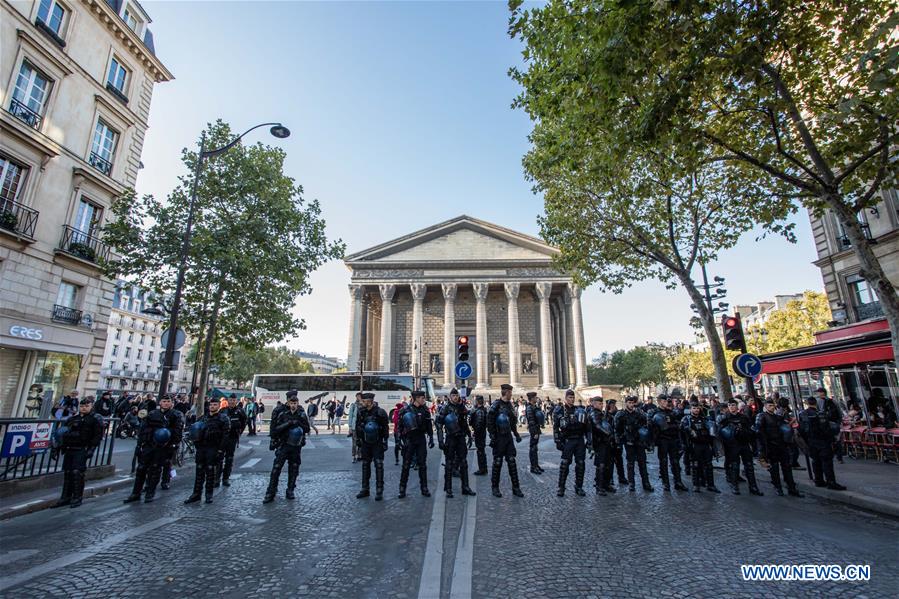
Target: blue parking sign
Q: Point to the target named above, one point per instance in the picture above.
(17, 440)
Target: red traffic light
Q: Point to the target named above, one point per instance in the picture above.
(730, 322)
(463, 340)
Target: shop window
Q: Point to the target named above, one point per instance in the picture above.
(56, 373)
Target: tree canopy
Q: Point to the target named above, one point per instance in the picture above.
(241, 363)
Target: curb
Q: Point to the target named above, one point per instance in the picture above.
(101, 487)
(867, 503)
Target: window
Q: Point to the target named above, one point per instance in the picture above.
(132, 21)
(127, 353)
(53, 15)
(87, 218)
(117, 76)
(66, 295)
(103, 147)
(843, 239)
(864, 299)
(29, 95)
(141, 339)
(115, 350)
(118, 334)
(150, 357)
(139, 353)
(108, 383)
(130, 336)
(12, 181)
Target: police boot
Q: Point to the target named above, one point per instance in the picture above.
(482, 465)
(666, 486)
(66, 497)
(579, 470)
(366, 480)
(779, 491)
(644, 478)
(423, 480)
(210, 483)
(463, 472)
(631, 478)
(448, 480)
(494, 476)
(600, 480)
(152, 482)
(513, 474)
(679, 484)
(404, 479)
(379, 480)
(563, 476)
(293, 471)
(794, 492)
(198, 487)
(166, 483)
(77, 488)
(734, 479)
(226, 471)
(140, 477)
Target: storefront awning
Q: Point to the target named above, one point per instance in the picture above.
(870, 347)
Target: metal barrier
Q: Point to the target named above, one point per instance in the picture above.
(26, 447)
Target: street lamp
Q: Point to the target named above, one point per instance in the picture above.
(278, 130)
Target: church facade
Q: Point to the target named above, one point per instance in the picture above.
(412, 297)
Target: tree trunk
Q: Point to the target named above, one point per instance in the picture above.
(207, 350)
(871, 270)
(197, 361)
(719, 361)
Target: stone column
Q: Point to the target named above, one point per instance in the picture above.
(355, 337)
(449, 335)
(546, 344)
(387, 290)
(514, 337)
(480, 294)
(577, 329)
(566, 333)
(419, 290)
(554, 330)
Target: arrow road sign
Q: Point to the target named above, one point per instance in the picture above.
(747, 365)
(463, 370)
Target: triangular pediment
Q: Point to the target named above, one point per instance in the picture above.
(462, 239)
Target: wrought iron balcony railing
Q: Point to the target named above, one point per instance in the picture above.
(25, 114)
(66, 314)
(100, 163)
(17, 218)
(84, 246)
(869, 310)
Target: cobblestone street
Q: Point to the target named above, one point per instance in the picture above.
(326, 543)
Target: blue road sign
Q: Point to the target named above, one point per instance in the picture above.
(463, 370)
(749, 365)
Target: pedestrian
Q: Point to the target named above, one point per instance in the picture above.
(311, 412)
(737, 437)
(571, 434)
(415, 424)
(818, 432)
(477, 421)
(394, 416)
(452, 433)
(774, 432)
(373, 431)
(351, 424)
(631, 432)
(331, 408)
(700, 445)
(105, 406)
(338, 414)
(600, 446)
(250, 409)
(666, 435)
(535, 418)
(238, 422)
(208, 433)
(288, 434)
(78, 438)
(501, 426)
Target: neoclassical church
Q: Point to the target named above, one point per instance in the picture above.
(413, 296)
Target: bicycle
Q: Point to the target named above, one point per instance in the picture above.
(186, 451)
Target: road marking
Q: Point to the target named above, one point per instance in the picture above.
(114, 510)
(309, 444)
(429, 585)
(537, 478)
(332, 443)
(254, 442)
(251, 462)
(251, 520)
(460, 585)
(548, 465)
(26, 504)
(74, 557)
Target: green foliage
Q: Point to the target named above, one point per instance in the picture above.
(241, 363)
(631, 368)
(793, 326)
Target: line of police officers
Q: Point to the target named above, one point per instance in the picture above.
(612, 437)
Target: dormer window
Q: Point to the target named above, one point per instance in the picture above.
(132, 19)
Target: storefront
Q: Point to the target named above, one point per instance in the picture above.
(853, 363)
(39, 363)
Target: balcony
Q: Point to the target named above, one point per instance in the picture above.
(25, 114)
(83, 246)
(117, 93)
(17, 218)
(48, 31)
(869, 310)
(66, 314)
(100, 163)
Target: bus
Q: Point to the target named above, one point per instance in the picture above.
(389, 388)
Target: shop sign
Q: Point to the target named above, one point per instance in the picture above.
(17, 440)
(18, 330)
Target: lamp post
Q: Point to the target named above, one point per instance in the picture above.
(278, 130)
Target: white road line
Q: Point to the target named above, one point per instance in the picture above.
(332, 443)
(76, 556)
(460, 585)
(429, 585)
(254, 442)
(539, 479)
(251, 462)
(309, 444)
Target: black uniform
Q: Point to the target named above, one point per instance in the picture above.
(818, 431)
(452, 434)
(700, 444)
(627, 433)
(85, 431)
(602, 441)
(477, 421)
(501, 441)
(571, 432)
(238, 422)
(738, 447)
(666, 432)
(533, 415)
(288, 446)
(209, 440)
(152, 455)
(774, 433)
(372, 445)
(617, 450)
(414, 424)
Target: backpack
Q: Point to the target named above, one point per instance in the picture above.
(340, 410)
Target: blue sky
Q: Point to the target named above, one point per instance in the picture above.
(400, 118)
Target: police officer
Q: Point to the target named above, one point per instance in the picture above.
(452, 431)
(666, 432)
(238, 422)
(700, 444)
(78, 438)
(774, 434)
(601, 446)
(631, 431)
(159, 433)
(208, 433)
(162, 468)
(819, 431)
(414, 424)
(571, 434)
(617, 448)
(288, 435)
(737, 437)
(373, 431)
(502, 426)
(477, 421)
(535, 419)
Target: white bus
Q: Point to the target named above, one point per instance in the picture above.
(389, 388)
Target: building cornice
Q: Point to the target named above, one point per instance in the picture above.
(30, 136)
(41, 49)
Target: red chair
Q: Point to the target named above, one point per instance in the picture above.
(892, 443)
(877, 436)
(856, 438)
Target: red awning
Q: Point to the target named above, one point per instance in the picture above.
(838, 357)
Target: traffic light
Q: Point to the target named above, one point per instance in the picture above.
(733, 333)
(462, 348)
